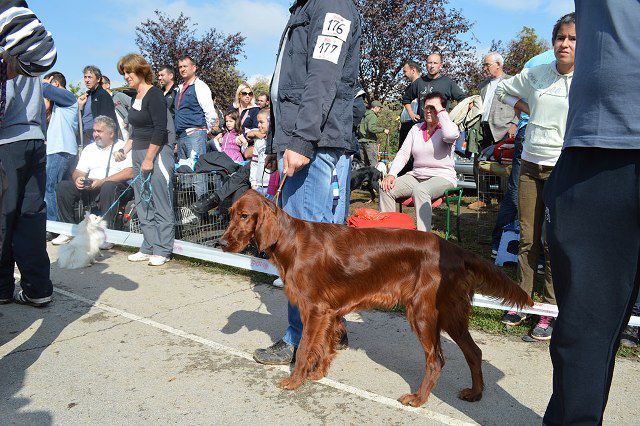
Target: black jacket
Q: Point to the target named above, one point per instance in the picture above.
(102, 104)
(318, 78)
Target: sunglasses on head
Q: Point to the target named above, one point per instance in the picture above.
(246, 93)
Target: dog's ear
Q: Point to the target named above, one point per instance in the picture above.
(266, 232)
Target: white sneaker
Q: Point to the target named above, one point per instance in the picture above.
(61, 239)
(106, 246)
(278, 283)
(156, 260)
(138, 257)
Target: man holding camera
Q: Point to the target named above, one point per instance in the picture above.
(97, 177)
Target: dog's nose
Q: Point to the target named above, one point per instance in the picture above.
(223, 243)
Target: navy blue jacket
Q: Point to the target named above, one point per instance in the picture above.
(318, 78)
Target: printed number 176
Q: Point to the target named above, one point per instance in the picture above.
(335, 25)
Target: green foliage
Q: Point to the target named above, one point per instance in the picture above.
(76, 88)
(261, 86)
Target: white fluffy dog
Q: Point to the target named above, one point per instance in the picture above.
(85, 247)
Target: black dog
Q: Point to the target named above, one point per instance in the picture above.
(367, 179)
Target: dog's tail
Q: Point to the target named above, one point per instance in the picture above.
(491, 281)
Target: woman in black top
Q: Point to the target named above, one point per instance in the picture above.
(248, 112)
(153, 158)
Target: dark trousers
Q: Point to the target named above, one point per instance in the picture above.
(68, 195)
(509, 205)
(236, 185)
(405, 127)
(593, 224)
(25, 220)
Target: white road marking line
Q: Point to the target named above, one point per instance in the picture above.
(431, 415)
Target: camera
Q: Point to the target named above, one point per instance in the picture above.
(86, 183)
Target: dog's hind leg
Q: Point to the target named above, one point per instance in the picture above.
(424, 324)
(316, 325)
(473, 355)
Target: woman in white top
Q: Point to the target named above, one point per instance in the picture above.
(543, 93)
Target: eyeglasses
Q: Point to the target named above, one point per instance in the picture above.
(487, 65)
(246, 93)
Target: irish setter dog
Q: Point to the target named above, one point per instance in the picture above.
(330, 270)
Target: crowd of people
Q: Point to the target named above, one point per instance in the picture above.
(564, 153)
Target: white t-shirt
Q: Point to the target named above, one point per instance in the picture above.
(94, 161)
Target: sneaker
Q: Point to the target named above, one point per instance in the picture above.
(106, 246)
(51, 236)
(543, 329)
(494, 253)
(630, 337)
(513, 318)
(61, 239)
(138, 257)
(540, 269)
(280, 353)
(156, 260)
(278, 283)
(205, 203)
(23, 299)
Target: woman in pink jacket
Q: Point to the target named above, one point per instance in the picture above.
(431, 143)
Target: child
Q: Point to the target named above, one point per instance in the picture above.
(259, 177)
(227, 142)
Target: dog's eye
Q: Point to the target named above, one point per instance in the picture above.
(244, 216)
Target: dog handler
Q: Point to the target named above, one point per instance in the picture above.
(312, 97)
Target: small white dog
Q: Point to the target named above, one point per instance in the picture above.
(85, 247)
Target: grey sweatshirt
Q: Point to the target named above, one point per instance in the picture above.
(25, 115)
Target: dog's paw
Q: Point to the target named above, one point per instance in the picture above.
(317, 375)
(290, 383)
(412, 400)
(470, 395)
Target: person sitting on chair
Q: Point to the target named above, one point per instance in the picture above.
(431, 143)
(97, 178)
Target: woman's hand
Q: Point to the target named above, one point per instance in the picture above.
(146, 166)
(435, 103)
(388, 183)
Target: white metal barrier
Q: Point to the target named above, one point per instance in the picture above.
(242, 261)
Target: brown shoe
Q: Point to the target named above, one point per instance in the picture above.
(477, 205)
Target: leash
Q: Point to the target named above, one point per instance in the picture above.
(143, 196)
(276, 198)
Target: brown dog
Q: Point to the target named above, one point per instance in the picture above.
(330, 270)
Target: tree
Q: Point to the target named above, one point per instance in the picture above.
(525, 46)
(261, 86)
(397, 30)
(165, 40)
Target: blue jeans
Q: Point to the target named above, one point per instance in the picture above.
(307, 195)
(509, 206)
(343, 170)
(59, 168)
(190, 147)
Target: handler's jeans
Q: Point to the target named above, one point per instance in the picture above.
(24, 221)
(308, 195)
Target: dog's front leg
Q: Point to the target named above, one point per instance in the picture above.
(314, 329)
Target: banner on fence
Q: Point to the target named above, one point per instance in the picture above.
(210, 254)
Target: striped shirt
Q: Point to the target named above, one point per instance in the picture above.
(25, 38)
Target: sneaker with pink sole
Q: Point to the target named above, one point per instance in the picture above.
(544, 328)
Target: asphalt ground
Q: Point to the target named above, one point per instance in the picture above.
(126, 343)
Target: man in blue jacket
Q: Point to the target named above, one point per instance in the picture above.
(312, 95)
(62, 145)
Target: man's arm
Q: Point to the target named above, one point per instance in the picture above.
(60, 97)
(23, 37)
(122, 176)
(203, 93)
(373, 125)
(410, 93)
(330, 33)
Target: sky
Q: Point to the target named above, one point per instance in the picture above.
(100, 32)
